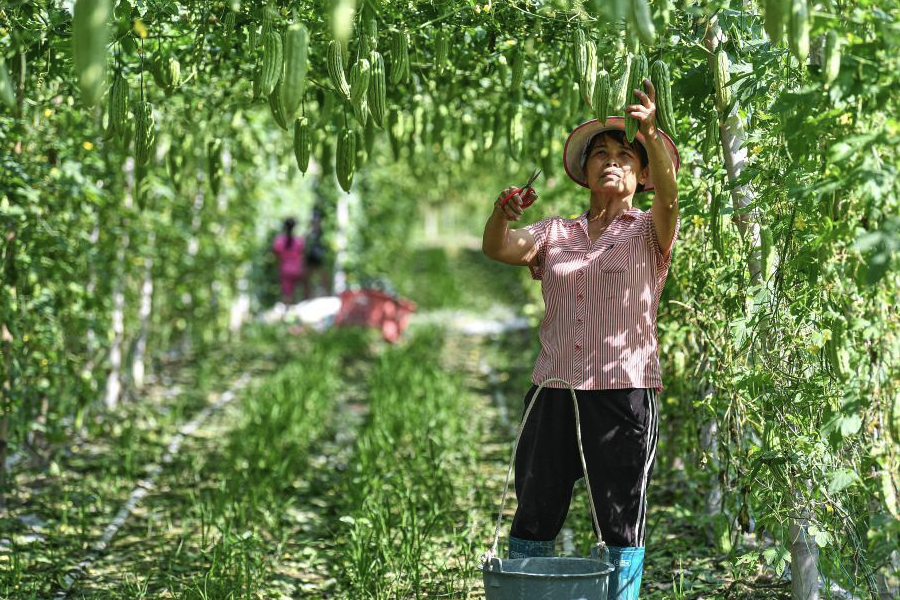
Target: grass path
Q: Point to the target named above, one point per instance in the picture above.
(58, 511)
(349, 470)
(216, 524)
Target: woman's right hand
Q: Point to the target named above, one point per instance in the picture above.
(514, 207)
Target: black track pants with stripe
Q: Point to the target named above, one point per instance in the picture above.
(619, 430)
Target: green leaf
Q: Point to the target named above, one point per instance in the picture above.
(841, 480)
(778, 557)
(739, 332)
(850, 425)
(840, 151)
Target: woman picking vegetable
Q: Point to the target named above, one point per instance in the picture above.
(601, 277)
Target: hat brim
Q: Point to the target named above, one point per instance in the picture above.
(583, 134)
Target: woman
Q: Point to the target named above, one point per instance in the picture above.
(288, 248)
(315, 256)
(601, 277)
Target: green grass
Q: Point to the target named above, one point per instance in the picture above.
(231, 491)
(86, 483)
(400, 502)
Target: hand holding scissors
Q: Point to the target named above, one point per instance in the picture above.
(526, 194)
(527, 199)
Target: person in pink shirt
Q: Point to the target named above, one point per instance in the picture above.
(288, 248)
(601, 277)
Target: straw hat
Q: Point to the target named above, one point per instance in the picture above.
(584, 133)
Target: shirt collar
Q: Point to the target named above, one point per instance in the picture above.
(631, 214)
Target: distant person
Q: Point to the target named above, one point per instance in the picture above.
(316, 255)
(288, 248)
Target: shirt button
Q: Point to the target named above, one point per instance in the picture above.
(581, 296)
(580, 320)
(578, 346)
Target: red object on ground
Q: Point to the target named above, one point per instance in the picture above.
(373, 308)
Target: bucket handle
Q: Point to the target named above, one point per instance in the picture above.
(492, 553)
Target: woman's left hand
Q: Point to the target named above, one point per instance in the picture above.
(645, 112)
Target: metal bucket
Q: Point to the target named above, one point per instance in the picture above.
(546, 578)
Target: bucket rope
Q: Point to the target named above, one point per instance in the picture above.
(493, 551)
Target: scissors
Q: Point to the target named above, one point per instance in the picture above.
(526, 199)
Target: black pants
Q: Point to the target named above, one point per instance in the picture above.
(619, 431)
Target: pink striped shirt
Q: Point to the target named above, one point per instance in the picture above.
(601, 298)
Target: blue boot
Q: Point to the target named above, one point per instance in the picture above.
(519, 548)
(625, 581)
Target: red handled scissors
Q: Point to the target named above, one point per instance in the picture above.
(526, 199)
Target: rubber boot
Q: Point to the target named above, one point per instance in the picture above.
(519, 548)
(625, 581)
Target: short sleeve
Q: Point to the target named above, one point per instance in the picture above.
(539, 232)
(648, 232)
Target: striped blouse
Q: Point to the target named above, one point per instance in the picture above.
(601, 298)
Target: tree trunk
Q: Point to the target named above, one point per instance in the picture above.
(885, 583)
(732, 138)
(340, 259)
(193, 248)
(113, 388)
(888, 578)
(804, 562)
(240, 308)
(138, 367)
(709, 441)
(91, 334)
(217, 228)
(114, 380)
(804, 554)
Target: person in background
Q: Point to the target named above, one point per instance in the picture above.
(288, 248)
(601, 277)
(315, 257)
